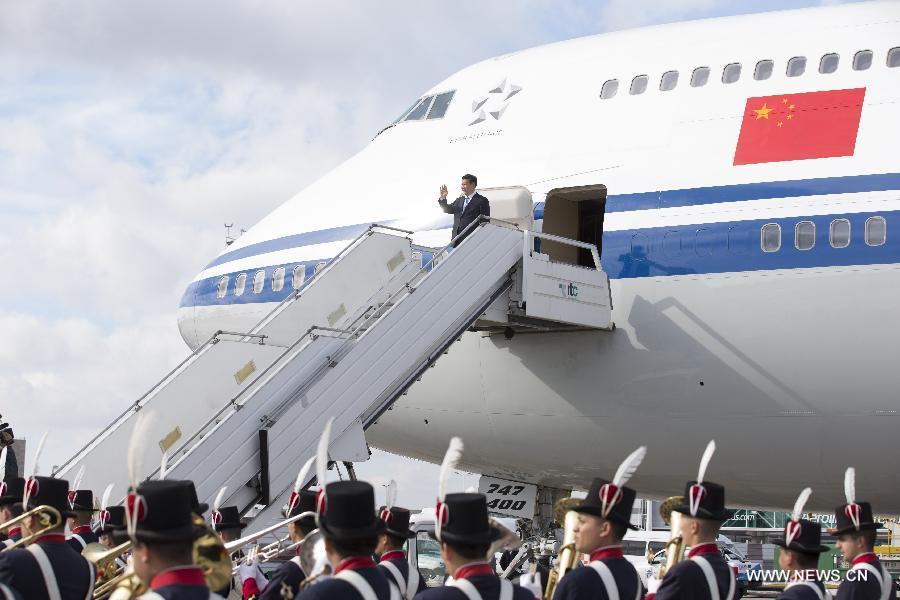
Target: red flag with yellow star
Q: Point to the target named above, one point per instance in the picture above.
(799, 126)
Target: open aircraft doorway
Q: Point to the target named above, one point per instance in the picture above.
(575, 213)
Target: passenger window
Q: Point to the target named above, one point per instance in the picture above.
(222, 288)
(239, 284)
(441, 103)
(876, 231)
(770, 237)
(259, 281)
(731, 73)
(298, 276)
(862, 60)
(640, 246)
(763, 69)
(739, 239)
(638, 85)
(278, 279)
(805, 235)
(796, 66)
(700, 76)
(839, 233)
(668, 81)
(672, 243)
(421, 109)
(609, 89)
(893, 57)
(829, 63)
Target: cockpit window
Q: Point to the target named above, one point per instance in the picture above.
(439, 108)
(406, 112)
(421, 109)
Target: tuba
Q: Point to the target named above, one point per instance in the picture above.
(568, 556)
(675, 546)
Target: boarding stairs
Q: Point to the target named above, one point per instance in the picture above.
(245, 410)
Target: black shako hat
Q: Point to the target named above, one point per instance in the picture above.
(163, 510)
(464, 520)
(196, 506)
(227, 517)
(48, 491)
(111, 518)
(607, 501)
(803, 536)
(704, 501)
(396, 521)
(11, 491)
(855, 516)
(81, 500)
(305, 501)
(347, 510)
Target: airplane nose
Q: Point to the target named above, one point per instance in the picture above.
(187, 324)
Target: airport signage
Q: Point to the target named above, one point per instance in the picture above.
(509, 498)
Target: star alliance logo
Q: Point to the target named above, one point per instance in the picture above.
(495, 103)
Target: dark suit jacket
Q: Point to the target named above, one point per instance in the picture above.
(478, 206)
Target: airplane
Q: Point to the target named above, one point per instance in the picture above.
(736, 175)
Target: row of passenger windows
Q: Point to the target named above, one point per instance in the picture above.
(429, 107)
(731, 72)
(875, 234)
(298, 277)
(739, 240)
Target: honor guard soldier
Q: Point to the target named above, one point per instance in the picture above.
(800, 549)
(111, 519)
(81, 505)
(162, 529)
(346, 515)
(603, 519)
(285, 581)
(394, 563)
(48, 568)
(226, 521)
(705, 575)
(464, 531)
(11, 507)
(855, 529)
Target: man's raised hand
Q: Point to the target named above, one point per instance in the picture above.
(444, 192)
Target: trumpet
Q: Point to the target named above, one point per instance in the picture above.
(675, 546)
(48, 517)
(568, 556)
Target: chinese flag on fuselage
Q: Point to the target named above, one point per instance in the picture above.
(799, 126)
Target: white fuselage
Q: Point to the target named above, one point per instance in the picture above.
(787, 358)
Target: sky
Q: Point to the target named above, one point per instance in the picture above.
(130, 132)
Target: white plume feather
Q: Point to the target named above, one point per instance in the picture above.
(322, 453)
(104, 502)
(164, 464)
(219, 497)
(76, 483)
(3, 464)
(35, 462)
(704, 461)
(629, 466)
(301, 476)
(451, 459)
(850, 485)
(800, 503)
(136, 448)
(390, 495)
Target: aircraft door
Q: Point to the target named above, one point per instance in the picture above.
(575, 213)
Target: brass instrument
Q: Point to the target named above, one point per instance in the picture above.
(675, 546)
(104, 560)
(212, 556)
(313, 560)
(567, 557)
(48, 517)
(125, 586)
